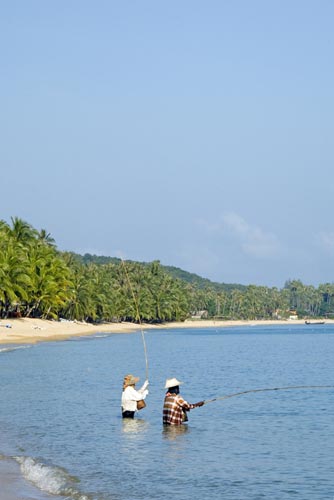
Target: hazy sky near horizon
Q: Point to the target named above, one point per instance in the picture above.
(196, 133)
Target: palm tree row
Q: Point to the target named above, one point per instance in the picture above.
(37, 280)
(260, 302)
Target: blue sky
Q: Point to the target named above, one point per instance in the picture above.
(196, 133)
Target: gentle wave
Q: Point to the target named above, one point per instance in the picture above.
(10, 349)
(50, 479)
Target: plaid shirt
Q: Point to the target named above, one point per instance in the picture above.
(174, 406)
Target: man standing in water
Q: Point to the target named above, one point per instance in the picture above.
(131, 396)
(175, 407)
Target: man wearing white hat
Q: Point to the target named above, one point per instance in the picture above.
(175, 407)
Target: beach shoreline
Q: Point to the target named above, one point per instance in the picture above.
(14, 486)
(31, 331)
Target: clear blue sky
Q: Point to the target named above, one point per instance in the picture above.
(197, 133)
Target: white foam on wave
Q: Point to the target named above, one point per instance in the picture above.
(50, 479)
(10, 349)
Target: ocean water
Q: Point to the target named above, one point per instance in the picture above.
(60, 415)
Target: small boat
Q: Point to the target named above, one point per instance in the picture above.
(320, 322)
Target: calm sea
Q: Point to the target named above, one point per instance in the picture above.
(60, 415)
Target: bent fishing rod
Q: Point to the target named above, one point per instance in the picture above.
(137, 316)
(287, 388)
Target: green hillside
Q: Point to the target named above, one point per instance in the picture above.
(39, 281)
(200, 282)
(175, 272)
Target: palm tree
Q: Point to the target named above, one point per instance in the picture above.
(14, 278)
(50, 281)
(80, 305)
(46, 237)
(21, 231)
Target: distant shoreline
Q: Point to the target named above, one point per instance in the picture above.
(31, 331)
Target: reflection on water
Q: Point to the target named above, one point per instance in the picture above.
(134, 425)
(172, 432)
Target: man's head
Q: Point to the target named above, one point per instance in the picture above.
(172, 384)
(174, 390)
(130, 380)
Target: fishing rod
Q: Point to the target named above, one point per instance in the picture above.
(293, 387)
(137, 316)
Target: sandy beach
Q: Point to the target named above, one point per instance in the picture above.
(30, 331)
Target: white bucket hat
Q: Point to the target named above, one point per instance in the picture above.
(172, 382)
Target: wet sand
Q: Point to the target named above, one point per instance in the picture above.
(14, 487)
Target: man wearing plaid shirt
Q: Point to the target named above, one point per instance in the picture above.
(175, 407)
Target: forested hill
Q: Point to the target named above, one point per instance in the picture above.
(175, 272)
(200, 282)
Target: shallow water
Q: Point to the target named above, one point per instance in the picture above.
(60, 415)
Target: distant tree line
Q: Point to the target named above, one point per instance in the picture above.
(37, 280)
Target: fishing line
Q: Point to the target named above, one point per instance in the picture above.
(295, 387)
(137, 316)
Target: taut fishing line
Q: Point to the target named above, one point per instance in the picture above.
(218, 398)
(293, 387)
(137, 315)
